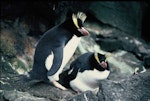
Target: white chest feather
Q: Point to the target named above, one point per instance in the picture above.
(69, 49)
(49, 61)
(68, 52)
(88, 80)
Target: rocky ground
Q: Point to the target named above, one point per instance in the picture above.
(132, 88)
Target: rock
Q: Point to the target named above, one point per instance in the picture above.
(32, 91)
(110, 44)
(145, 22)
(117, 14)
(14, 95)
(146, 60)
(118, 40)
(48, 91)
(122, 64)
(134, 88)
(85, 96)
(42, 15)
(6, 68)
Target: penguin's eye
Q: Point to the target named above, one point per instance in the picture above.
(79, 23)
(102, 60)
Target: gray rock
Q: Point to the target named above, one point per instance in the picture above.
(85, 96)
(147, 61)
(47, 91)
(122, 64)
(119, 40)
(134, 88)
(14, 95)
(126, 16)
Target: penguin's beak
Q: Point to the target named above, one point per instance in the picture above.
(103, 64)
(83, 31)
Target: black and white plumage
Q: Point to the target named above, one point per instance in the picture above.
(56, 47)
(86, 72)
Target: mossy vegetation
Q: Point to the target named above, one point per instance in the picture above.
(14, 48)
(7, 48)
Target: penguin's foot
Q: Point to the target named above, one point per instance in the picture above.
(58, 85)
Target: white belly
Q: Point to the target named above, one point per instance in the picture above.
(88, 80)
(70, 49)
(68, 52)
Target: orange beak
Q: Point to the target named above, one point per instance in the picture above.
(83, 31)
(103, 64)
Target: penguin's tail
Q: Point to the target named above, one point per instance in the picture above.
(26, 79)
(23, 81)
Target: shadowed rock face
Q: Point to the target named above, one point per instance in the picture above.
(118, 40)
(133, 88)
(21, 96)
(125, 16)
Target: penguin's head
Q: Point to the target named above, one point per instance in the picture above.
(78, 20)
(101, 63)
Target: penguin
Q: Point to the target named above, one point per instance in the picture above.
(85, 72)
(55, 48)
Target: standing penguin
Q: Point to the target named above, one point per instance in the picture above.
(55, 48)
(86, 72)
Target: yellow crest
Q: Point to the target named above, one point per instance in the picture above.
(81, 16)
(96, 57)
(107, 56)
